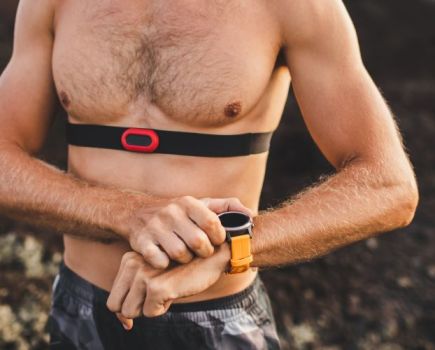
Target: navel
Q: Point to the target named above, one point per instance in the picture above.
(64, 99)
(233, 109)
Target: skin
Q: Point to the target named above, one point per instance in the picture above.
(202, 67)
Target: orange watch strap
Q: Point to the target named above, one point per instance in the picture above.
(241, 256)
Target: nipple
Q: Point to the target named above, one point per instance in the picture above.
(233, 109)
(64, 99)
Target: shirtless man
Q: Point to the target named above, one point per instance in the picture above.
(150, 220)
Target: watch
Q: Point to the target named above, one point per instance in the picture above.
(238, 227)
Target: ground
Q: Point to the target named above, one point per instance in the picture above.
(377, 294)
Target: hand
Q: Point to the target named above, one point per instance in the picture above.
(181, 228)
(185, 281)
(140, 289)
(126, 296)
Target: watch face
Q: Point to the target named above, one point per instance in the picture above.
(235, 223)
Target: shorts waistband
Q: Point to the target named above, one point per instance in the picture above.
(72, 283)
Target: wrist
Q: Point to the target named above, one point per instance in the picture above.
(256, 237)
(130, 213)
(224, 255)
(238, 227)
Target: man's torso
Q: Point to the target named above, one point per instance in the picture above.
(196, 66)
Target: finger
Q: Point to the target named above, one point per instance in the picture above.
(195, 238)
(157, 301)
(127, 323)
(220, 205)
(122, 283)
(153, 255)
(207, 221)
(154, 309)
(175, 247)
(133, 303)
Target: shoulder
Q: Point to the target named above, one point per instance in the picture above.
(36, 14)
(306, 21)
(34, 25)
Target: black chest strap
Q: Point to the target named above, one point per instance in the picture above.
(167, 142)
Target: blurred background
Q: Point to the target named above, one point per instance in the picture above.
(377, 294)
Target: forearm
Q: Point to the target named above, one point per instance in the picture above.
(349, 206)
(42, 195)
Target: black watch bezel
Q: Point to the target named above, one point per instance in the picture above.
(241, 224)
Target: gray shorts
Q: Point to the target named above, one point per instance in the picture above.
(79, 319)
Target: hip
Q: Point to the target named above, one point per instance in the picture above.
(79, 319)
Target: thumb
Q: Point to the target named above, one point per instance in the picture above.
(127, 323)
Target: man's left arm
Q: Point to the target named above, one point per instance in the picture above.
(374, 188)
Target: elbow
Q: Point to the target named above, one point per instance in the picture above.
(407, 202)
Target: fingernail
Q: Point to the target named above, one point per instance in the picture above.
(128, 325)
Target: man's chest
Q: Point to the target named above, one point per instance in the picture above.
(201, 62)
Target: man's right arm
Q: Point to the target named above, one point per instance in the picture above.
(39, 194)
(29, 189)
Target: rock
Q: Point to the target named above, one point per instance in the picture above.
(52, 266)
(31, 254)
(33, 316)
(354, 304)
(404, 282)
(10, 329)
(391, 328)
(309, 294)
(28, 253)
(372, 243)
(370, 341)
(431, 271)
(303, 334)
(389, 346)
(9, 244)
